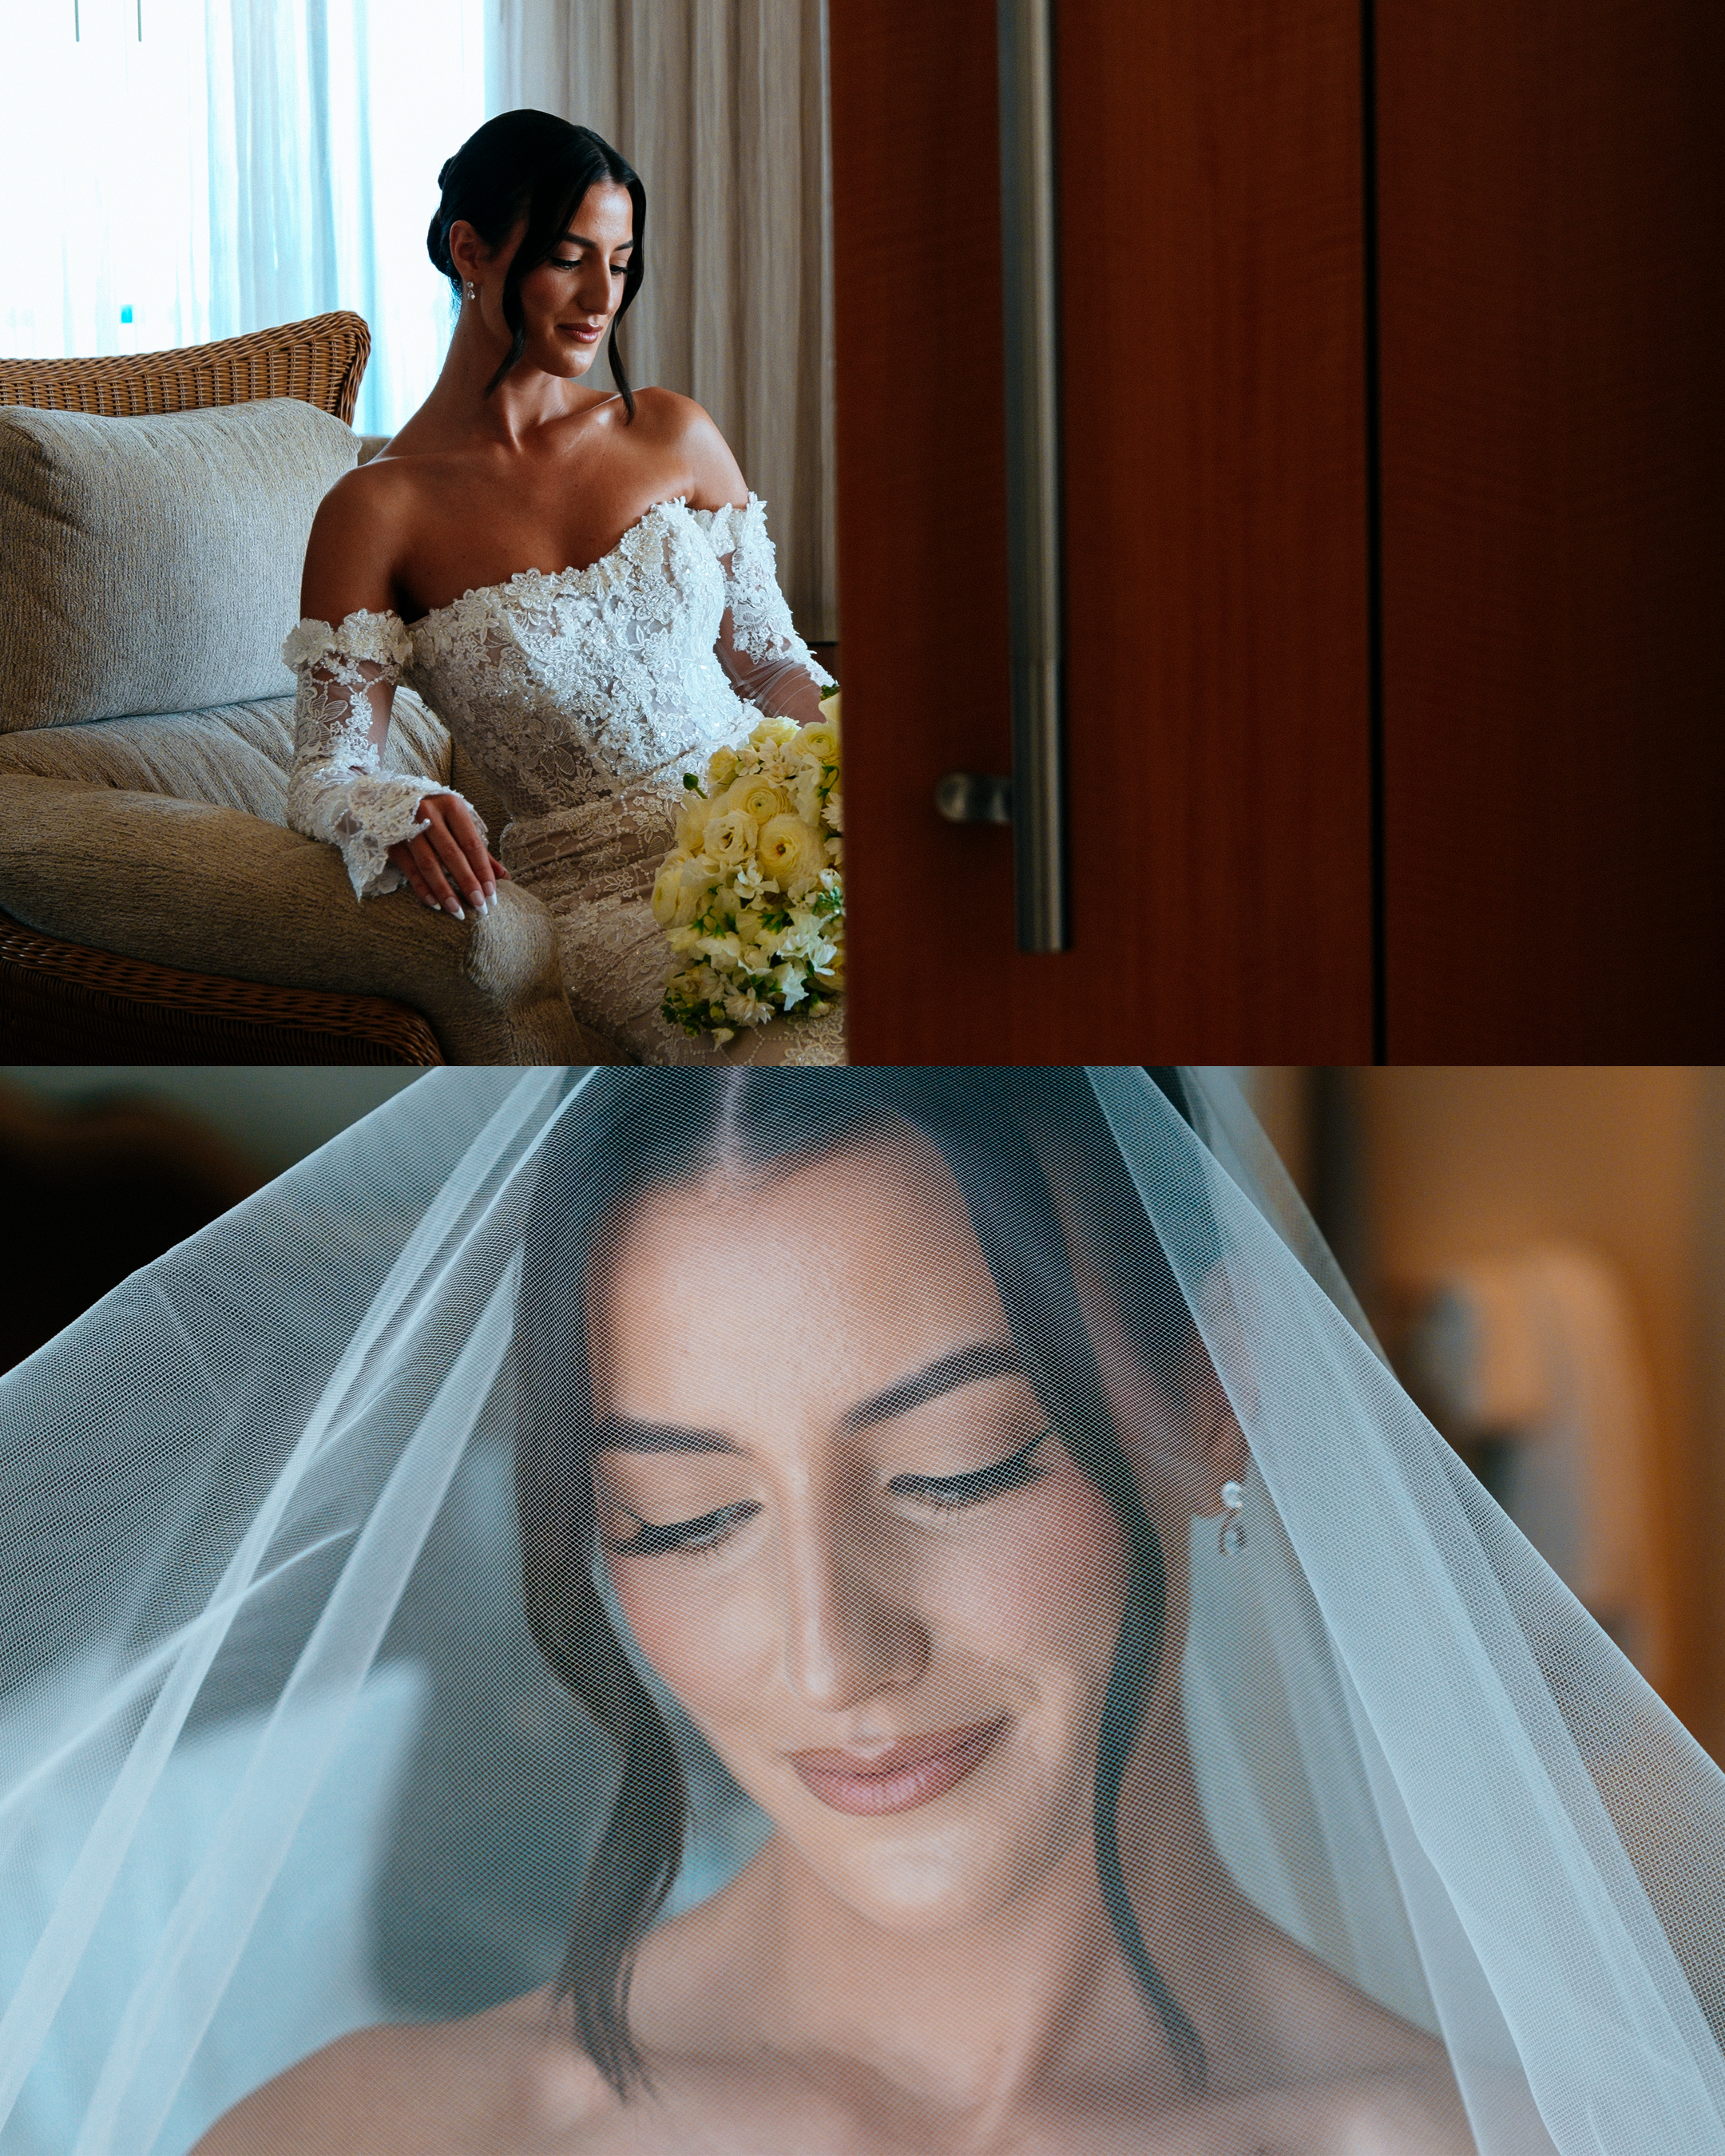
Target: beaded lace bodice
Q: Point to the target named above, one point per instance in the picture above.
(598, 684)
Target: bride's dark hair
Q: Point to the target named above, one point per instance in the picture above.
(533, 164)
(994, 1130)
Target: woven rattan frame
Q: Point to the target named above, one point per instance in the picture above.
(320, 362)
(64, 1003)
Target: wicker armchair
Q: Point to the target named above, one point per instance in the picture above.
(321, 362)
(110, 925)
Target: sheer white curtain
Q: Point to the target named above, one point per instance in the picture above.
(180, 170)
(721, 105)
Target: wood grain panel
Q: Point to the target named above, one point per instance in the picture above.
(1216, 526)
(1553, 547)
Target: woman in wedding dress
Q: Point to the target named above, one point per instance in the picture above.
(887, 1574)
(578, 582)
(916, 1588)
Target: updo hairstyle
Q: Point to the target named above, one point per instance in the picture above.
(534, 165)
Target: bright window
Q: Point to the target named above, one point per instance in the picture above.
(180, 170)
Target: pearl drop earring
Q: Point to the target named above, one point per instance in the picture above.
(1232, 1536)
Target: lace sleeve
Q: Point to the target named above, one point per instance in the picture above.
(769, 663)
(339, 790)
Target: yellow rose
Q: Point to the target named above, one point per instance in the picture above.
(691, 823)
(830, 703)
(766, 731)
(730, 837)
(721, 767)
(667, 886)
(679, 890)
(758, 798)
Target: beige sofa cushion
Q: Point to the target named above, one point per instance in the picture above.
(184, 883)
(237, 757)
(152, 564)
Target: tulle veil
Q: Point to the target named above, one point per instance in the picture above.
(279, 1756)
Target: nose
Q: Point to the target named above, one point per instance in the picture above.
(593, 289)
(850, 1630)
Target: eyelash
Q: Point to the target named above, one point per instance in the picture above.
(949, 1493)
(557, 262)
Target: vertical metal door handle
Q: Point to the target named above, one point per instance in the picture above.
(1028, 205)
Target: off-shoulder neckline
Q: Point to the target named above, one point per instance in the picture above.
(571, 573)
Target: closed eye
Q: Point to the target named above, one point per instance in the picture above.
(950, 1491)
(652, 1539)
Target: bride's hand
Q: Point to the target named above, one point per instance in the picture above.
(449, 860)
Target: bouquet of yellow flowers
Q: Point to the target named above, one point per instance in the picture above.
(752, 896)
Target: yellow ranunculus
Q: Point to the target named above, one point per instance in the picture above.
(791, 851)
(730, 837)
(758, 798)
(822, 738)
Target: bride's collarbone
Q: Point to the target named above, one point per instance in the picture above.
(471, 543)
(469, 514)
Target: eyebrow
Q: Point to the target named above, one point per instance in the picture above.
(580, 239)
(964, 1366)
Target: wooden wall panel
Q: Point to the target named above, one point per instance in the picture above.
(1554, 543)
(1216, 450)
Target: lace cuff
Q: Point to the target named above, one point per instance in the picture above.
(339, 792)
(758, 645)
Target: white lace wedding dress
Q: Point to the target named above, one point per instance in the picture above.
(584, 695)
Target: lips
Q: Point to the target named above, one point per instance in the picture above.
(914, 1771)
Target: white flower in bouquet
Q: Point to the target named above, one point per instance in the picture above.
(752, 896)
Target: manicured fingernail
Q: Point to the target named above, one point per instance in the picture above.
(456, 909)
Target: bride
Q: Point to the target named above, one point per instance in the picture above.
(578, 581)
(947, 1532)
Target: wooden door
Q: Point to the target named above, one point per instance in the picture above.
(1553, 519)
(1394, 527)
(1216, 530)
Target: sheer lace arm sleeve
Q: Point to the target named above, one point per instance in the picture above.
(339, 790)
(769, 663)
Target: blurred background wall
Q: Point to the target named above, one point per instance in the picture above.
(1541, 1251)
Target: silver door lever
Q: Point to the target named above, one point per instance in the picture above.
(968, 797)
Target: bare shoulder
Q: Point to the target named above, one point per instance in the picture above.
(504, 2083)
(357, 539)
(676, 425)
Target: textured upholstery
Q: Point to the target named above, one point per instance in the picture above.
(219, 890)
(152, 564)
(124, 549)
(237, 757)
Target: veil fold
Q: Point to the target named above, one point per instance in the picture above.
(280, 1755)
